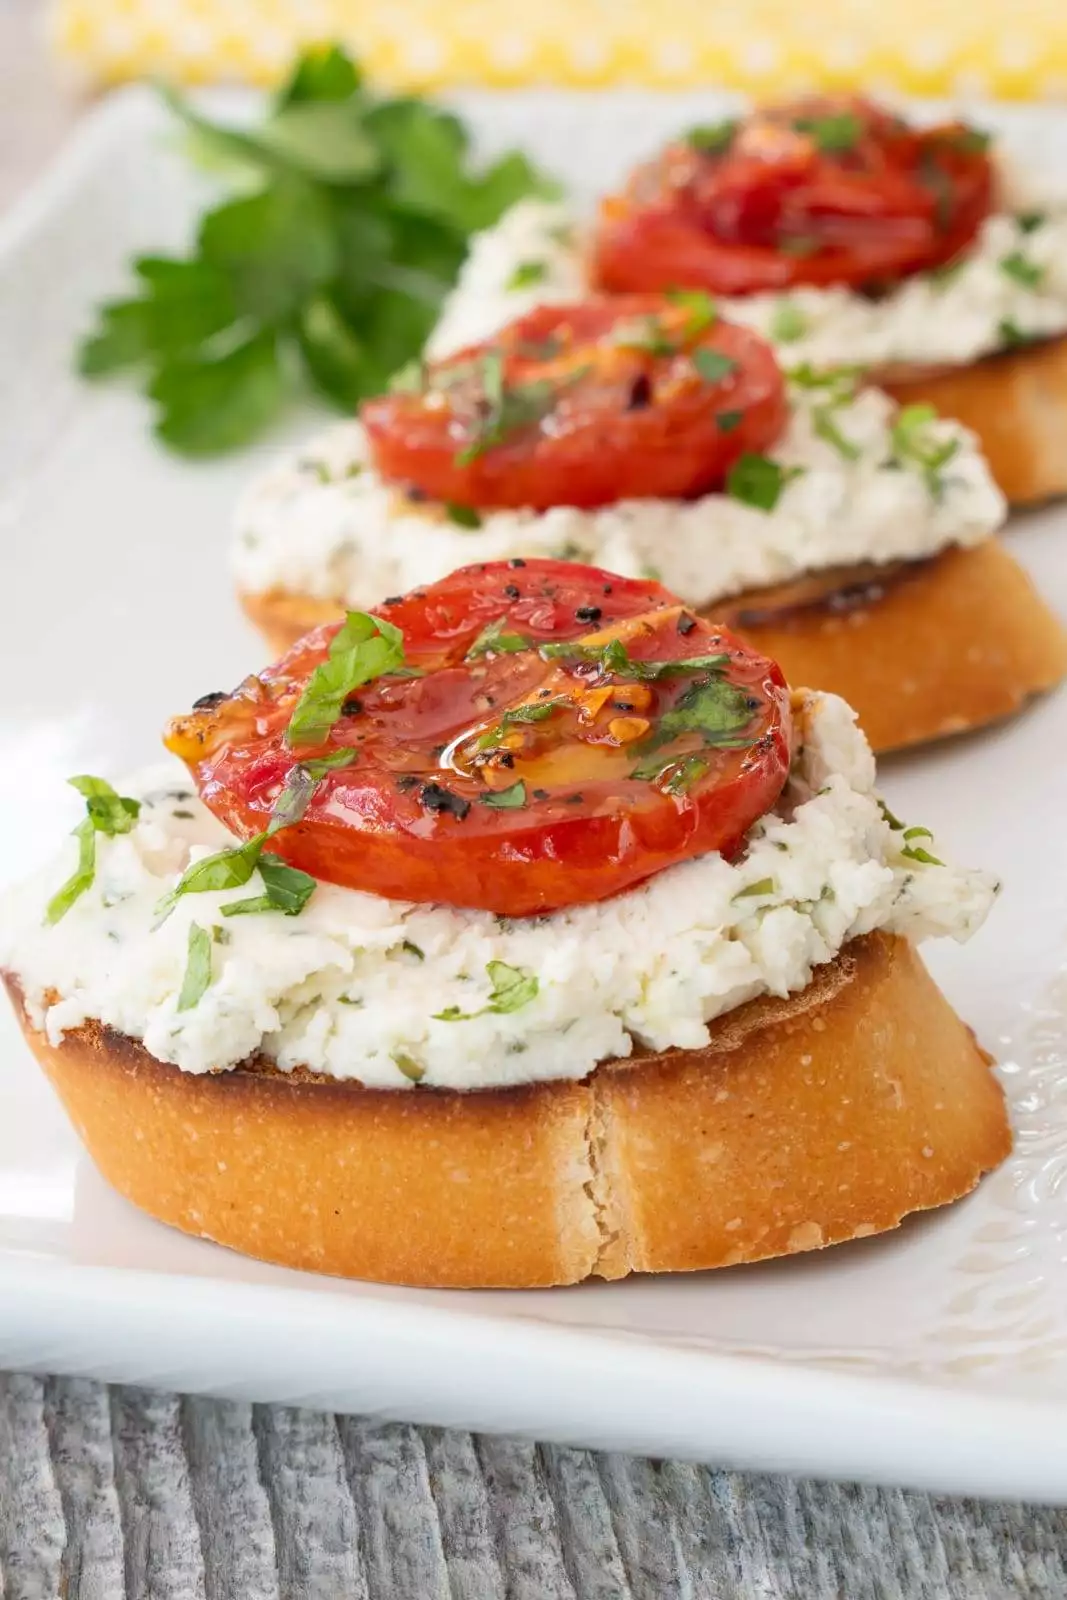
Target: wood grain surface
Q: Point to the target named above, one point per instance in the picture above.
(125, 1494)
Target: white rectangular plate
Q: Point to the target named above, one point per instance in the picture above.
(936, 1356)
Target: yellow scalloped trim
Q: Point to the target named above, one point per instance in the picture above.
(995, 47)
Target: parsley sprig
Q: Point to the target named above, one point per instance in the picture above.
(349, 225)
(364, 647)
(108, 813)
(512, 988)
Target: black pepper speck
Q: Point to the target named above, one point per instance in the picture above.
(352, 707)
(512, 591)
(516, 561)
(588, 614)
(392, 600)
(436, 798)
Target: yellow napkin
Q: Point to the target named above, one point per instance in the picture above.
(1010, 48)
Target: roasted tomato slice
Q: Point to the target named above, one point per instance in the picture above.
(552, 735)
(820, 191)
(636, 398)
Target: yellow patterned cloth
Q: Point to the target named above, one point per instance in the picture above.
(1008, 48)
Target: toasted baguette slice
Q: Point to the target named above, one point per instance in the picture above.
(935, 648)
(1016, 402)
(806, 1121)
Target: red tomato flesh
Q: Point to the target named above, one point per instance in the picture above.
(819, 191)
(635, 398)
(567, 738)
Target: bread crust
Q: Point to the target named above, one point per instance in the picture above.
(804, 1122)
(1015, 401)
(942, 646)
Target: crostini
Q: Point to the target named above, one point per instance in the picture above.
(845, 536)
(844, 233)
(523, 930)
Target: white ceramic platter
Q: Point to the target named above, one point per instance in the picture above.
(936, 1356)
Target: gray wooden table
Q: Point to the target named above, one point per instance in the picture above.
(126, 1495)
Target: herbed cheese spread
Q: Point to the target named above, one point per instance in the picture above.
(391, 993)
(853, 486)
(1010, 288)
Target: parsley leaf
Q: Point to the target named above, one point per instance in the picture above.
(197, 978)
(106, 812)
(713, 138)
(822, 420)
(1030, 221)
(840, 131)
(915, 445)
(758, 481)
(702, 312)
(1011, 335)
(507, 410)
(712, 707)
(788, 323)
(727, 421)
(527, 274)
(511, 990)
(642, 333)
(1016, 266)
(287, 889)
(462, 516)
(494, 640)
(348, 225)
(364, 647)
(506, 799)
(713, 366)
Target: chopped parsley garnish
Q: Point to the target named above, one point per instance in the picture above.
(713, 138)
(507, 410)
(1011, 335)
(615, 658)
(108, 813)
(535, 711)
(413, 1070)
(840, 131)
(348, 220)
(527, 274)
(675, 777)
(511, 990)
(197, 977)
(701, 310)
(364, 647)
(462, 516)
(413, 949)
(758, 481)
(762, 887)
(286, 889)
(713, 707)
(888, 817)
(727, 421)
(643, 333)
(915, 445)
(1030, 221)
(822, 421)
(495, 640)
(505, 799)
(1016, 266)
(788, 322)
(840, 381)
(971, 141)
(713, 366)
(915, 852)
(944, 275)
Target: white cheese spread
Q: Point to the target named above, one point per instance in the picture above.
(323, 523)
(353, 986)
(1011, 285)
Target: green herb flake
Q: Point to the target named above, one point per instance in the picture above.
(643, 333)
(915, 852)
(713, 366)
(508, 411)
(527, 274)
(1030, 221)
(727, 421)
(197, 979)
(413, 949)
(107, 812)
(712, 138)
(888, 817)
(511, 989)
(840, 381)
(758, 481)
(833, 134)
(764, 886)
(788, 322)
(505, 799)
(915, 445)
(701, 310)
(495, 640)
(970, 141)
(287, 890)
(1011, 335)
(1017, 267)
(826, 428)
(363, 648)
(412, 1069)
(462, 516)
(683, 775)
